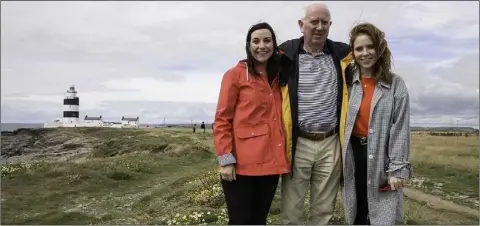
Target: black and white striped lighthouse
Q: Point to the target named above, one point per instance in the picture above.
(71, 107)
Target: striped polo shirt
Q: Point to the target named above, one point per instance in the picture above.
(317, 92)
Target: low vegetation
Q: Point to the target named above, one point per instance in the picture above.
(448, 167)
(164, 176)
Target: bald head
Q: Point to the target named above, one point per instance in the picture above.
(315, 25)
(315, 8)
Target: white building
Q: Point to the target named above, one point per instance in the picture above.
(112, 124)
(93, 121)
(130, 122)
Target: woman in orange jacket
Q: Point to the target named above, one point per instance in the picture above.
(248, 132)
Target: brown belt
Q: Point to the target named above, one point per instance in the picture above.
(318, 136)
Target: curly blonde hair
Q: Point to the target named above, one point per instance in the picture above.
(382, 68)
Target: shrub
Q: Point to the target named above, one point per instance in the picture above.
(206, 189)
(197, 218)
(10, 170)
(71, 146)
(119, 175)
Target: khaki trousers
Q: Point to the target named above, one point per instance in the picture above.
(318, 164)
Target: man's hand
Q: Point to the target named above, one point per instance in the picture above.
(395, 183)
(228, 172)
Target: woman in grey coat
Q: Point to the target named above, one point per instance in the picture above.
(376, 147)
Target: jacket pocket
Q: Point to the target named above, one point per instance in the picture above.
(253, 144)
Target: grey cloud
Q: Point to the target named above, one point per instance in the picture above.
(148, 111)
(13, 97)
(161, 109)
(449, 105)
(14, 114)
(135, 32)
(43, 78)
(465, 72)
(46, 46)
(424, 108)
(436, 94)
(57, 54)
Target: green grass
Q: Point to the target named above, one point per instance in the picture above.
(124, 163)
(158, 176)
(419, 213)
(451, 161)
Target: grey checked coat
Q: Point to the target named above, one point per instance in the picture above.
(388, 149)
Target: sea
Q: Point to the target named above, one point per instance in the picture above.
(13, 126)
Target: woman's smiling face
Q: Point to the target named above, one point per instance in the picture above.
(261, 45)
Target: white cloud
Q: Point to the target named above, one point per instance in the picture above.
(178, 51)
(195, 89)
(454, 19)
(443, 64)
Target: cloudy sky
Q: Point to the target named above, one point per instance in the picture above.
(166, 59)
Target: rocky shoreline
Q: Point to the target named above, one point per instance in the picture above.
(43, 144)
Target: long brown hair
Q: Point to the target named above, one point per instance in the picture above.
(382, 68)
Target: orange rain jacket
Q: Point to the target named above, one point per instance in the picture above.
(248, 130)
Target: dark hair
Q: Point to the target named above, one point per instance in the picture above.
(382, 68)
(273, 63)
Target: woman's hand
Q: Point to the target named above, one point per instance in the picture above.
(228, 172)
(395, 183)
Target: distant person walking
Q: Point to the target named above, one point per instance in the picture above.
(248, 133)
(376, 146)
(202, 126)
(194, 127)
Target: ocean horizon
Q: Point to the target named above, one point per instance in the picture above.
(11, 126)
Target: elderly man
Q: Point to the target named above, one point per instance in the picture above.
(313, 102)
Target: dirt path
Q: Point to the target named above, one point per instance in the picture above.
(438, 203)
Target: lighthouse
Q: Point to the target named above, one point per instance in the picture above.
(71, 107)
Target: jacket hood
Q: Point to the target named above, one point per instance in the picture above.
(241, 64)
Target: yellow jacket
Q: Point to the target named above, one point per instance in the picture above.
(289, 80)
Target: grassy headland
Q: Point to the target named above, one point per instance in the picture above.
(447, 166)
(155, 176)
